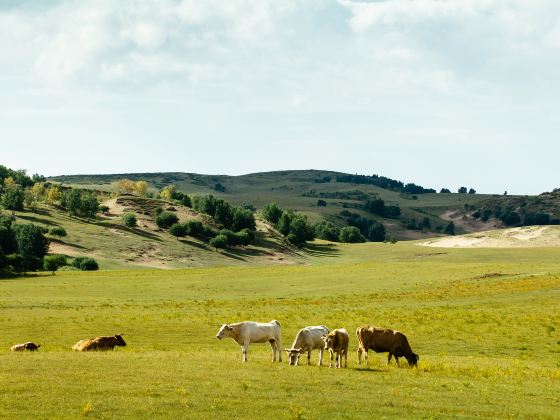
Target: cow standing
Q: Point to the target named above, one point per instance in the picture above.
(307, 339)
(99, 343)
(247, 332)
(382, 340)
(337, 342)
(29, 346)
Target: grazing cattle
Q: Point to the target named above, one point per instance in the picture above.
(307, 339)
(337, 342)
(99, 343)
(245, 333)
(29, 346)
(382, 340)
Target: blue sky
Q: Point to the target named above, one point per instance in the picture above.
(440, 93)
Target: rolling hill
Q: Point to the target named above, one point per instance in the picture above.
(302, 190)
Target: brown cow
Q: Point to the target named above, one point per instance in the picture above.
(25, 346)
(382, 340)
(99, 343)
(337, 342)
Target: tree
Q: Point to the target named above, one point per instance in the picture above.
(53, 262)
(104, 209)
(167, 192)
(194, 228)
(141, 188)
(321, 203)
(124, 186)
(178, 230)
(129, 219)
(243, 219)
(462, 190)
(186, 201)
(58, 231)
(426, 223)
(445, 191)
(38, 191)
(376, 232)
(223, 213)
(219, 187)
(375, 206)
(450, 228)
(89, 206)
(326, 230)
(71, 200)
(220, 241)
(166, 219)
(13, 197)
(271, 213)
(472, 191)
(53, 195)
(351, 234)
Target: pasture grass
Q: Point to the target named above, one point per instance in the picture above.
(485, 322)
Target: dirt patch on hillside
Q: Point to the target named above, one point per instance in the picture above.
(468, 223)
(61, 248)
(521, 237)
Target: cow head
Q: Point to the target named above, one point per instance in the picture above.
(32, 346)
(328, 339)
(293, 356)
(120, 341)
(413, 359)
(224, 332)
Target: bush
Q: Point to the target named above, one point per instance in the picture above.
(166, 219)
(85, 264)
(53, 262)
(129, 219)
(194, 228)
(243, 219)
(30, 240)
(321, 203)
(178, 230)
(220, 241)
(58, 231)
(326, 230)
(450, 228)
(351, 234)
(272, 213)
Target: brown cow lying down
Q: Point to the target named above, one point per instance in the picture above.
(25, 346)
(99, 343)
(382, 340)
(337, 342)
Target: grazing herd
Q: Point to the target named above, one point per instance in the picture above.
(380, 340)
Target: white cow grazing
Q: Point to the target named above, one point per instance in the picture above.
(248, 332)
(307, 339)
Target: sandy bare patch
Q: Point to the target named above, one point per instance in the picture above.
(520, 237)
(59, 248)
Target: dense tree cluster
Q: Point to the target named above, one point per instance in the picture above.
(22, 246)
(371, 229)
(294, 226)
(231, 217)
(82, 203)
(377, 206)
(386, 183)
(510, 215)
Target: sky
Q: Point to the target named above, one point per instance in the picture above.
(442, 93)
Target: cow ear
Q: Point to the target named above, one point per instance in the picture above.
(299, 350)
(229, 328)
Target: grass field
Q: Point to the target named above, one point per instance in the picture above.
(485, 322)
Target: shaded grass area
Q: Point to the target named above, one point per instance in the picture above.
(485, 322)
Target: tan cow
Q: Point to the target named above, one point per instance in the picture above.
(382, 340)
(337, 342)
(307, 339)
(247, 332)
(99, 343)
(29, 346)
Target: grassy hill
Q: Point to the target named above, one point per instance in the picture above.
(301, 190)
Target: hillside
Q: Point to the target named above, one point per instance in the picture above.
(301, 190)
(147, 246)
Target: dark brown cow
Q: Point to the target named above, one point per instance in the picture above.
(29, 346)
(99, 343)
(383, 340)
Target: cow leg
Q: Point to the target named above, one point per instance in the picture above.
(308, 357)
(278, 342)
(366, 356)
(245, 349)
(389, 358)
(359, 355)
(397, 360)
(331, 354)
(345, 358)
(338, 359)
(273, 348)
(320, 357)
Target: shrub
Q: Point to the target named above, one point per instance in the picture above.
(58, 231)
(104, 209)
(321, 203)
(243, 219)
(53, 262)
(85, 264)
(326, 230)
(194, 227)
(220, 241)
(129, 219)
(450, 228)
(351, 234)
(272, 213)
(166, 218)
(178, 230)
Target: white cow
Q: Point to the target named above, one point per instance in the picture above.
(248, 332)
(307, 339)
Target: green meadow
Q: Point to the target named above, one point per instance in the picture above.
(485, 322)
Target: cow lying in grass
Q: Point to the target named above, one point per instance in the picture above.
(245, 333)
(382, 340)
(29, 346)
(99, 343)
(307, 339)
(337, 342)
